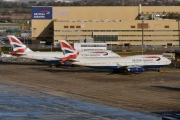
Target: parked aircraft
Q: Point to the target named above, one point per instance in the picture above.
(54, 58)
(22, 51)
(129, 64)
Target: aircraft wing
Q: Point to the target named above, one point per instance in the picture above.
(58, 58)
(119, 65)
(73, 60)
(49, 59)
(128, 66)
(21, 54)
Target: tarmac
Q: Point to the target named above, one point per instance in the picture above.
(19, 103)
(34, 91)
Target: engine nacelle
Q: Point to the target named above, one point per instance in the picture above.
(67, 64)
(136, 69)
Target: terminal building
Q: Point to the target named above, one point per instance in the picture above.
(113, 25)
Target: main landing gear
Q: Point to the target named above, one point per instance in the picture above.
(58, 65)
(122, 70)
(126, 72)
(159, 70)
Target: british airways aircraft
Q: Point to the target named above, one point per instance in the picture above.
(126, 65)
(22, 51)
(53, 58)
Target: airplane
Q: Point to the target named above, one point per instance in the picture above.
(53, 58)
(126, 65)
(22, 51)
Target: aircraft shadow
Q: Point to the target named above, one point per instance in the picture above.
(23, 63)
(73, 69)
(172, 114)
(168, 88)
(83, 70)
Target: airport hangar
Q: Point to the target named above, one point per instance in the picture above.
(115, 25)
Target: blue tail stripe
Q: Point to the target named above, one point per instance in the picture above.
(15, 46)
(67, 51)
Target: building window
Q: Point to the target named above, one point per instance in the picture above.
(71, 26)
(66, 27)
(140, 25)
(78, 26)
(166, 26)
(105, 38)
(133, 27)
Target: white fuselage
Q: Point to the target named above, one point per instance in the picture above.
(46, 56)
(129, 61)
(55, 56)
(97, 54)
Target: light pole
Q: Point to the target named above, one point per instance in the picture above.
(52, 43)
(179, 29)
(27, 41)
(142, 36)
(51, 46)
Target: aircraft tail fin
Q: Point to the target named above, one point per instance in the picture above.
(17, 45)
(69, 52)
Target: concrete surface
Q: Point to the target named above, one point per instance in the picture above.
(19, 103)
(151, 92)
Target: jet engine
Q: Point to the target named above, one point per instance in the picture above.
(136, 69)
(68, 64)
